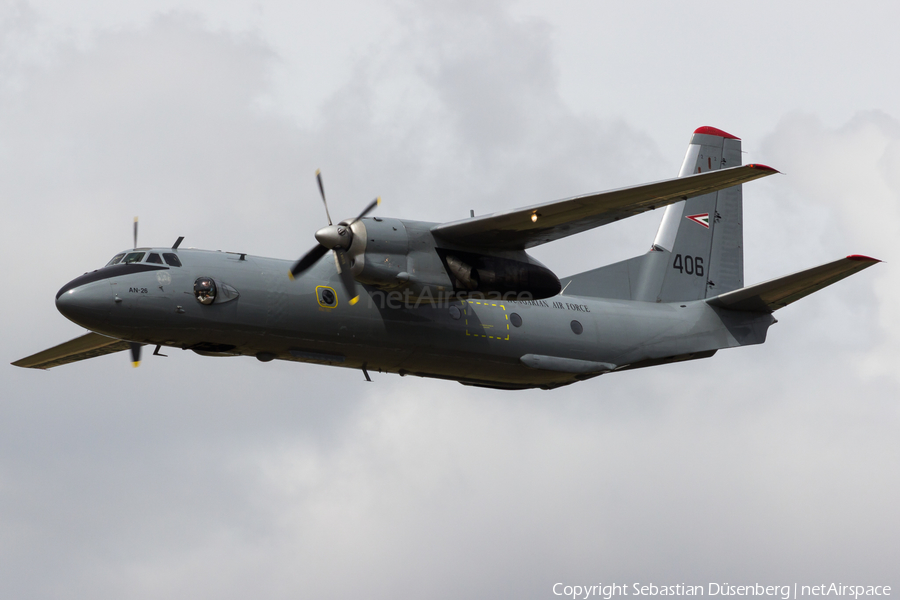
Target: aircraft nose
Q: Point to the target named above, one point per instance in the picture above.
(87, 305)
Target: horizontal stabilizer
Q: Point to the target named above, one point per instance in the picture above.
(534, 225)
(89, 345)
(778, 293)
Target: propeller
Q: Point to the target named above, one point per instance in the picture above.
(135, 353)
(322, 192)
(134, 346)
(338, 239)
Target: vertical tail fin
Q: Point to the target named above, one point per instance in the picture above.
(699, 247)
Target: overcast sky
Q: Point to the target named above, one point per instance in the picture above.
(196, 477)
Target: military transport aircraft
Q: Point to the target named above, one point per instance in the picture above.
(461, 300)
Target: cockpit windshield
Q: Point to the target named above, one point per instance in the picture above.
(127, 258)
(133, 257)
(115, 259)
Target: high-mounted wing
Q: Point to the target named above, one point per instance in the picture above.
(89, 345)
(771, 295)
(534, 225)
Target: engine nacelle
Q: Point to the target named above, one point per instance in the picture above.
(494, 274)
(386, 254)
(379, 252)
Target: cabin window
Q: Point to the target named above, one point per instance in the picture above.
(115, 259)
(172, 259)
(154, 258)
(133, 257)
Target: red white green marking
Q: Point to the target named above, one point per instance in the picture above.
(702, 219)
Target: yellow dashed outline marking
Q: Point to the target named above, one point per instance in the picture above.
(482, 335)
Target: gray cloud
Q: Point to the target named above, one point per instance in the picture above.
(227, 478)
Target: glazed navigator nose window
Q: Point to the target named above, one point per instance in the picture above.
(205, 290)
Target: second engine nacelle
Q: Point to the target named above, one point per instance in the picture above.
(494, 274)
(389, 255)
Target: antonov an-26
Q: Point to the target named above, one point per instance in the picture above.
(462, 300)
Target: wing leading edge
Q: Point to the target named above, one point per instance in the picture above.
(89, 345)
(534, 225)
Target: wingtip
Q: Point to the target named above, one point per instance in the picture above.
(706, 130)
(763, 167)
(863, 258)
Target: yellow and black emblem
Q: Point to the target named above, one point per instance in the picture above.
(326, 296)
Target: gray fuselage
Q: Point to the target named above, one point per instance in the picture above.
(499, 343)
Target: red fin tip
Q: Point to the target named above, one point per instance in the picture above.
(718, 132)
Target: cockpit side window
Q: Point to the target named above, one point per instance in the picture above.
(154, 258)
(172, 259)
(133, 257)
(115, 259)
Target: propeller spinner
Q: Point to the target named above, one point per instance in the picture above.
(338, 239)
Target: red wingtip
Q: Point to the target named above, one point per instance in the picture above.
(714, 131)
(763, 167)
(862, 257)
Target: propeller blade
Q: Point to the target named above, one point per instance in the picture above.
(338, 239)
(308, 260)
(346, 274)
(367, 209)
(322, 191)
(135, 353)
(135, 231)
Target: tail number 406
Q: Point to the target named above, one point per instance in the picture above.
(692, 265)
